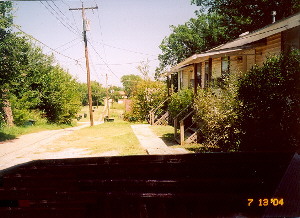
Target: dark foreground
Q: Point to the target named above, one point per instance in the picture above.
(191, 185)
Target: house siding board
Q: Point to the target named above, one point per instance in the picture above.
(187, 75)
(250, 59)
(216, 67)
(236, 65)
(272, 48)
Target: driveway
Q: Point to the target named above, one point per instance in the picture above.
(27, 147)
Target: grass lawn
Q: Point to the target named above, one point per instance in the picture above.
(110, 136)
(7, 133)
(98, 113)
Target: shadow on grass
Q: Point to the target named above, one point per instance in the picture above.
(5, 136)
(169, 139)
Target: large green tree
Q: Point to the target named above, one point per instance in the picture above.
(195, 36)
(248, 15)
(129, 83)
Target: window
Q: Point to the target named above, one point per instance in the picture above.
(225, 66)
(206, 81)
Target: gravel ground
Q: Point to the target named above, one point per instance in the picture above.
(33, 146)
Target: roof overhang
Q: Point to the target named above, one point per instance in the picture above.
(242, 43)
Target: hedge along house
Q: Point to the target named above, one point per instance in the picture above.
(237, 56)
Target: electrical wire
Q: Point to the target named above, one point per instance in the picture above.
(67, 19)
(100, 28)
(137, 62)
(75, 23)
(70, 29)
(52, 49)
(66, 22)
(136, 52)
(103, 60)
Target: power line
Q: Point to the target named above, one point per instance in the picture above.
(75, 23)
(103, 60)
(66, 43)
(31, 37)
(100, 28)
(129, 62)
(123, 49)
(70, 28)
(63, 18)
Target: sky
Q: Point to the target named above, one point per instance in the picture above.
(122, 33)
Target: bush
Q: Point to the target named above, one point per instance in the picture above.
(270, 109)
(216, 111)
(147, 95)
(180, 101)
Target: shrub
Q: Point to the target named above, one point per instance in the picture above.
(147, 95)
(180, 101)
(270, 109)
(216, 111)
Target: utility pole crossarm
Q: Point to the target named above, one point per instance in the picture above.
(78, 9)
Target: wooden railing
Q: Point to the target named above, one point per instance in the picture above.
(153, 116)
(188, 117)
(177, 119)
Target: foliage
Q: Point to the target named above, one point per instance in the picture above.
(179, 101)
(6, 19)
(216, 109)
(32, 82)
(98, 93)
(146, 96)
(129, 83)
(270, 109)
(60, 99)
(195, 36)
(248, 15)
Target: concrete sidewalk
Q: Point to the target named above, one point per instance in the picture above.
(153, 144)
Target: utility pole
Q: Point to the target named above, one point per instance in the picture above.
(107, 101)
(87, 59)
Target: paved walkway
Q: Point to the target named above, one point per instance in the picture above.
(152, 143)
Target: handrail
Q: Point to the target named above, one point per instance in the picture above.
(187, 115)
(153, 110)
(183, 110)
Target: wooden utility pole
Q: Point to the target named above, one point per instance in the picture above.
(107, 101)
(87, 60)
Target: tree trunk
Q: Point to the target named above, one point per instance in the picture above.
(6, 108)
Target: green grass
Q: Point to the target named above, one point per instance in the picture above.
(166, 133)
(114, 136)
(8, 133)
(96, 114)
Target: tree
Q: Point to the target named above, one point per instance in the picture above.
(248, 15)
(5, 31)
(270, 111)
(129, 83)
(195, 36)
(146, 96)
(143, 68)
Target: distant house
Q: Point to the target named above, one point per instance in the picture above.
(238, 55)
(122, 98)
